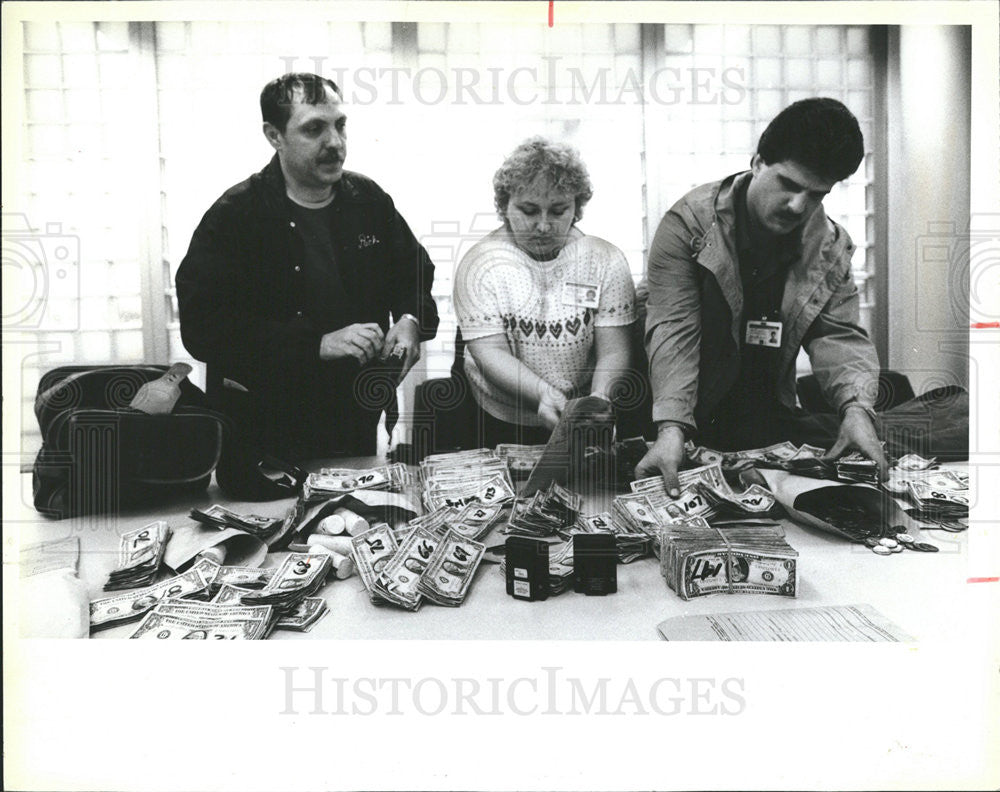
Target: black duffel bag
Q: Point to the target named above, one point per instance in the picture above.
(100, 455)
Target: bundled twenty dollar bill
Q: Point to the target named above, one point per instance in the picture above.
(697, 559)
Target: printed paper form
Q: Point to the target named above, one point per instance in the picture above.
(831, 623)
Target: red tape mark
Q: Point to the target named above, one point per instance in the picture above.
(552, 10)
(984, 325)
(984, 580)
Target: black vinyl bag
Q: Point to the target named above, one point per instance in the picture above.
(100, 455)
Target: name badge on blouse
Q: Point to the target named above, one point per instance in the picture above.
(764, 333)
(586, 295)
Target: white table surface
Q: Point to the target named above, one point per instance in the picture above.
(917, 591)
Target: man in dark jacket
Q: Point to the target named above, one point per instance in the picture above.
(290, 281)
(745, 272)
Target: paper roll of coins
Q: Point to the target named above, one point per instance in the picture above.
(334, 525)
(343, 566)
(338, 544)
(355, 523)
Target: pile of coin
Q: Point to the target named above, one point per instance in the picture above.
(462, 477)
(698, 559)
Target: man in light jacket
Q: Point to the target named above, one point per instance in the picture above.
(743, 273)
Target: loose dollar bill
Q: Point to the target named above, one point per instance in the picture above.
(180, 620)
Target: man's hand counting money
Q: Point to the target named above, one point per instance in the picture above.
(857, 431)
(403, 334)
(664, 458)
(360, 341)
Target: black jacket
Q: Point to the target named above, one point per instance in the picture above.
(245, 312)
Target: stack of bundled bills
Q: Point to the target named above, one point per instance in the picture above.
(427, 563)
(697, 559)
(306, 613)
(632, 544)
(560, 567)
(299, 576)
(704, 492)
(179, 619)
(857, 467)
(940, 497)
(134, 604)
(139, 556)
(520, 459)
(221, 517)
(463, 477)
(545, 513)
(328, 483)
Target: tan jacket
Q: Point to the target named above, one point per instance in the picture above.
(695, 304)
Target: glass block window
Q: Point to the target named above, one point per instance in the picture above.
(78, 280)
(770, 66)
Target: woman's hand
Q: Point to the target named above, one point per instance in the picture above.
(551, 402)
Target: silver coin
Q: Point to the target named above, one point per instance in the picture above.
(896, 549)
(925, 547)
(905, 538)
(885, 541)
(881, 550)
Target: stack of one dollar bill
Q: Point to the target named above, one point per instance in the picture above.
(462, 477)
(940, 497)
(426, 564)
(520, 459)
(221, 517)
(134, 604)
(139, 557)
(306, 613)
(182, 620)
(245, 577)
(632, 543)
(545, 513)
(328, 483)
(697, 559)
(300, 575)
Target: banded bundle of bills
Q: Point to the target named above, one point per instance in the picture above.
(857, 467)
(180, 620)
(697, 559)
(328, 483)
(139, 557)
(754, 501)
(221, 517)
(306, 613)
(784, 455)
(463, 477)
(915, 462)
(475, 520)
(691, 501)
(545, 513)
(371, 552)
(398, 581)
(300, 575)
(639, 514)
(449, 571)
(112, 611)
(520, 459)
(244, 577)
(632, 544)
(560, 567)
(940, 497)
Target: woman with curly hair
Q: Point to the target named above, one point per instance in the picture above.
(543, 308)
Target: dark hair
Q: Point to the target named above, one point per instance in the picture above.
(537, 156)
(819, 133)
(277, 97)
